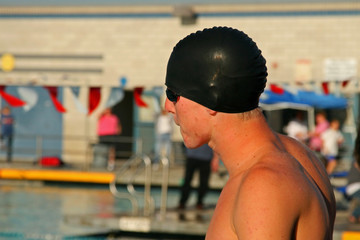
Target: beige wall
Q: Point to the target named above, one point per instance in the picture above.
(138, 48)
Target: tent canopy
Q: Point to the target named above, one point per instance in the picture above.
(307, 98)
(302, 100)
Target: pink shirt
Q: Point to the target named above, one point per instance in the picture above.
(108, 125)
(316, 142)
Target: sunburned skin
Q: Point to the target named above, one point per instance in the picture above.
(304, 206)
(277, 188)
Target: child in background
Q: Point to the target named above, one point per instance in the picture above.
(332, 138)
(315, 136)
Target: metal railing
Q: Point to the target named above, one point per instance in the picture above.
(138, 163)
(122, 195)
(72, 149)
(164, 187)
(37, 146)
(135, 163)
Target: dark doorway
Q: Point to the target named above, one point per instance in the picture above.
(124, 111)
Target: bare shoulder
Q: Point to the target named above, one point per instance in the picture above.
(313, 167)
(271, 179)
(302, 153)
(269, 203)
(283, 195)
(258, 175)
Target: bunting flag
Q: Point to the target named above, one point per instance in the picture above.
(290, 89)
(30, 97)
(94, 98)
(325, 87)
(75, 91)
(116, 96)
(75, 96)
(53, 91)
(276, 89)
(137, 96)
(345, 83)
(11, 100)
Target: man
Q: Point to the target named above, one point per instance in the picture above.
(203, 160)
(277, 189)
(7, 131)
(163, 130)
(108, 129)
(297, 127)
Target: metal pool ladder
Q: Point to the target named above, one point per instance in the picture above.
(137, 163)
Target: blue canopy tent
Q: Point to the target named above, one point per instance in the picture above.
(308, 101)
(309, 98)
(301, 100)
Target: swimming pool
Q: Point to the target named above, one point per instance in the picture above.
(37, 210)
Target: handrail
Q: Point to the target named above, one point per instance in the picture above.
(149, 202)
(113, 189)
(164, 187)
(136, 161)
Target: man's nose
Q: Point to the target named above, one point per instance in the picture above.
(169, 106)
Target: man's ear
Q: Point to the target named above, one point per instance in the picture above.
(211, 112)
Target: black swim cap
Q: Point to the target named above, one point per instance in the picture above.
(220, 68)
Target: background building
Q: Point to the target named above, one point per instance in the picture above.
(87, 45)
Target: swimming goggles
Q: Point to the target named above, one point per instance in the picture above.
(173, 97)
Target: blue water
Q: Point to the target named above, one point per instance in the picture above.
(33, 210)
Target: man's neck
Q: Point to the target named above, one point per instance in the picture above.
(237, 140)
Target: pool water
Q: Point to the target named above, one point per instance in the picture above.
(36, 210)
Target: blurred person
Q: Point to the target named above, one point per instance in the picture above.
(203, 160)
(297, 128)
(277, 188)
(7, 131)
(352, 189)
(163, 130)
(331, 139)
(108, 129)
(315, 136)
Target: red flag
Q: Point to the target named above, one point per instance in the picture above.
(94, 98)
(53, 91)
(345, 83)
(11, 100)
(276, 89)
(137, 95)
(325, 87)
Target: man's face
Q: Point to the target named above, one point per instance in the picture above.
(193, 120)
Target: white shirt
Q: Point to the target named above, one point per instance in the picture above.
(295, 129)
(331, 140)
(164, 124)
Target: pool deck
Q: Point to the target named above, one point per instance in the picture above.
(190, 221)
(29, 171)
(17, 171)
